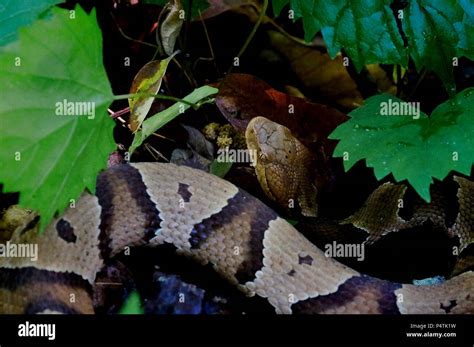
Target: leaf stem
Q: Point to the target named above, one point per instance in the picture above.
(252, 33)
(418, 82)
(131, 38)
(156, 96)
(289, 36)
(209, 43)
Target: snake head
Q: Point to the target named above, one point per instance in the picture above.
(281, 164)
(271, 141)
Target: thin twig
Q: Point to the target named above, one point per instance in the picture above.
(291, 37)
(252, 33)
(154, 152)
(191, 80)
(109, 283)
(399, 79)
(157, 31)
(130, 38)
(163, 137)
(283, 31)
(422, 77)
(119, 113)
(209, 42)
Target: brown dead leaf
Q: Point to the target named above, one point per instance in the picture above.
(381, 79)
(317, 72)
(242, 97)
(171, 25)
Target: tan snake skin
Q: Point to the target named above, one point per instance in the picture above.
(212, 221)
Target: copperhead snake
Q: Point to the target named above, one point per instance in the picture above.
(214, 222)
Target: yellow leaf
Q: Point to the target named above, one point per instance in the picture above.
(146, 84)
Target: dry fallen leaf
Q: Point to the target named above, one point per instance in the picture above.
(171, 25)
(242, 97)
(381, 79)
(317, 72)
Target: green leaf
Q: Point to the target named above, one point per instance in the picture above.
(278, 6)
(191, 12)
(437, 31)
(48, 157)
(303, 10)
(466, 42)
(366, 29)
(311, 24)
(132, 305)
(17, 13)
(155, 122)
(219, 168)
(414, 149)
(146, 84)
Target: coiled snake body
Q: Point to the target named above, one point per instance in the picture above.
(212, 221)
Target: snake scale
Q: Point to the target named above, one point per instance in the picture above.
(214, 222)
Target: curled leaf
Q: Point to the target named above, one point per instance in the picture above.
(146, 84)
(192, 7)
(171, 25)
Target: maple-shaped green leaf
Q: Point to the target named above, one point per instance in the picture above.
(305, 10)
(437, 32)
(55, 133)
(410, 145)
(366, 29)
(301, 9)
(465, 45)
(17, 13)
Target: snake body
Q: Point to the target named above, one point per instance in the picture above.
(213, 222)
